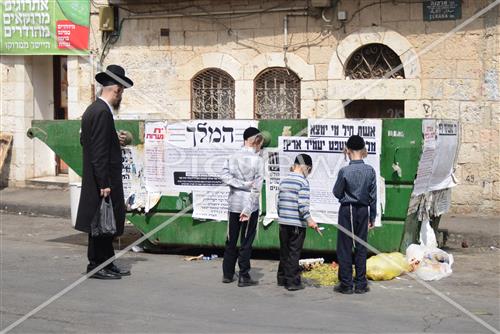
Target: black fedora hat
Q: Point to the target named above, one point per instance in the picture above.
(114, 75)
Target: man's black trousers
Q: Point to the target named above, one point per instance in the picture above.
(291, 244)
(99, 250)
(246, 232)
(345, 245)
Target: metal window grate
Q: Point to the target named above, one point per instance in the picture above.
(374, 61)
(277, 94)
(212, 95)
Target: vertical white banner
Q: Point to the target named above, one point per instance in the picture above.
(440, 149)
(272, 177)
(155, 139)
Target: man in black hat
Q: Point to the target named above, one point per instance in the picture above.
(102, 169)
(243, 172)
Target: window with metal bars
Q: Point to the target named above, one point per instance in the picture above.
(212, 95)
(277, 94)
(373, 61)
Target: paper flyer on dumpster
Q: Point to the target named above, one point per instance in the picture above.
(447, 150)
(424, 171)
(134, 189)
(196, 151)
(155, 139)
(325, 145)
(272, 178)
(440, 140)
(210, 204)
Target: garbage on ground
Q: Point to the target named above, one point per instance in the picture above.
(386, 266)
(201, 257)
(308, 264)
(321, 274)
(137, 249)
(430, 263)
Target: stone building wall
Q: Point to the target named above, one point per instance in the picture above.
(20, 104)
(456, 78)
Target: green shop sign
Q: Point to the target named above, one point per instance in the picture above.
(44, 27)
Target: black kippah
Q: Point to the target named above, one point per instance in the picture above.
(355, 143)
(250, 132)
(303, 159)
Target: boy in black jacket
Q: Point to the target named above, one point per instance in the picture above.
(356, 189)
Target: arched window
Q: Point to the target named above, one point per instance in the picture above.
(212, 95)
(373, 61)
(277, 94)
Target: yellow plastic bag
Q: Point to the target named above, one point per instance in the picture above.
(386, 266)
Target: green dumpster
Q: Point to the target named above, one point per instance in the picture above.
(402, 151)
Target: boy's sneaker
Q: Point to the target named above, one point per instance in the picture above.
(342, 289)
(362, 290)
(295, 287)
(227, 280)
(246, 281)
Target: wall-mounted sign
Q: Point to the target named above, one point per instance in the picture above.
(439, 10)
(44, 27)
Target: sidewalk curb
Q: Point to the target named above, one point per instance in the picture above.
(45, 210)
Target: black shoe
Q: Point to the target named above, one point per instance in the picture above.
(227, 280)
(281, 282)
(105, 274)
(362, 290)
(246, 281)
(295, 287)
(117, 270)
(342, 289)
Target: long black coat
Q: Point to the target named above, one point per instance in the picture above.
(102, 166)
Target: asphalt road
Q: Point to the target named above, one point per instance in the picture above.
(165, 294)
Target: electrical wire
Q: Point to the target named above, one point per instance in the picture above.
(217, 19)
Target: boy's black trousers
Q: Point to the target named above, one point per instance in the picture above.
(247, 230)
(345, 245)
(291, 243)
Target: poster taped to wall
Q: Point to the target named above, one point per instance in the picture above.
(155, 142)
(196, 151)
(325, 145)
(134, 188)
(441, 138)
(272, 178)
(210, 204)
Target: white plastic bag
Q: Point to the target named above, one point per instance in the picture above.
(435, 265)
(427, 235)
(414, 254)
(429, 263)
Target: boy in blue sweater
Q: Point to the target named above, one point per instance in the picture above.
(356, 189)
(294, 218)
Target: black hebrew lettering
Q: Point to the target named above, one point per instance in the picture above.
(230, 130)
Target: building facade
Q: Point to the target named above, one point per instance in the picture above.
(254, 59)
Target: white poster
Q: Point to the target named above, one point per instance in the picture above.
(272, 177)
(424, 171)
(134, 188)
(154, 156)
(196, 151)
(439, 153)
(446, 150)
(325, 145)
(210, 204)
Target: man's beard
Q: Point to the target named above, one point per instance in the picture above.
(116, 105)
